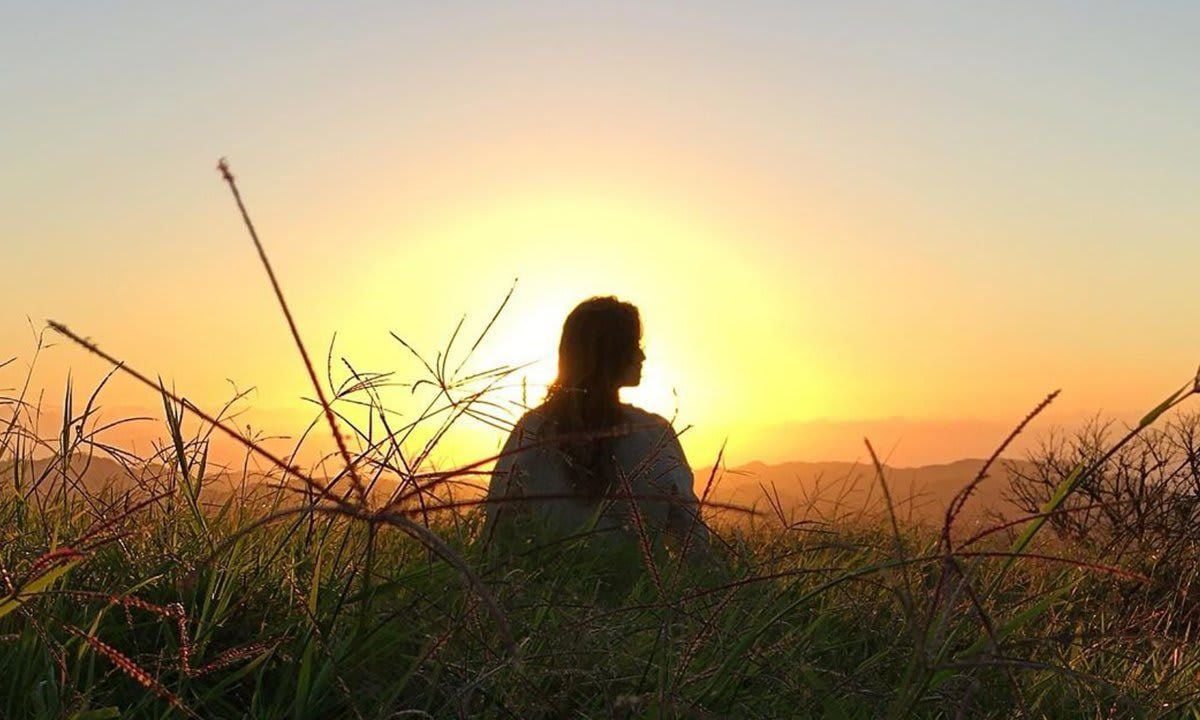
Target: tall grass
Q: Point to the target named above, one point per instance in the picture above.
(186, 589)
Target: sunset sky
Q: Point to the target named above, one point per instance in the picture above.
(909, 218)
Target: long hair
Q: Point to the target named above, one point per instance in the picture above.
(600, 341)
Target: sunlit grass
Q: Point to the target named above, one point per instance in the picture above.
(160, 595)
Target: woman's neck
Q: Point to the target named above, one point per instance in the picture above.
(612, 395)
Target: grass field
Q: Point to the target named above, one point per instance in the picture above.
(166, 595)
(186, 590)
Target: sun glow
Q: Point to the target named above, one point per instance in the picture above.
(810, 232)
(562, 247)
(528, 345)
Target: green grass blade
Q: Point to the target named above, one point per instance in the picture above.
(22, 595)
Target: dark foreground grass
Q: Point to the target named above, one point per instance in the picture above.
(165, 596)
(337, 619)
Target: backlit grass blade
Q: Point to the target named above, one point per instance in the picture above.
(33, 587)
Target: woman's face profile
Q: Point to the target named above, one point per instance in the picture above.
(633, 373)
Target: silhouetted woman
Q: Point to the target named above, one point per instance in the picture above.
(583, 461)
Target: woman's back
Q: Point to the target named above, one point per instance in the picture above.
(536, 479)
(583, 461)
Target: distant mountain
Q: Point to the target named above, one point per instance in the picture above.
(99, 474)
(826, 491)
(804, 491)
(904, 442)
(45, 474)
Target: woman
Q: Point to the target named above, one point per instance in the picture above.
(583, 461)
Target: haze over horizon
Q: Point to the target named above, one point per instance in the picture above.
(903, 220)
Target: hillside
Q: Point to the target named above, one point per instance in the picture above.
(98, 474)
(825, 491)
(812, 491)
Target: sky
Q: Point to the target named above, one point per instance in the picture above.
(909, 218)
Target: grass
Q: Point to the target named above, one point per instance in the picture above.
(151, 604)
(187, 590)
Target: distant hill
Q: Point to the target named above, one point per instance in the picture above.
(827, 491)
(812, 491)
(46, 474)
(101, 474)
(98, 474)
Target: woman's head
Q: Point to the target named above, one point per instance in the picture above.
(600, 351)
(600, 348)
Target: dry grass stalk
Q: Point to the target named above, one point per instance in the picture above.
(132, 670)
(358, 486)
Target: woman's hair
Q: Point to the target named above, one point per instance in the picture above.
(601, 339)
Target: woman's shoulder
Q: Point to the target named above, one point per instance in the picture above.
(532, 422)
(644, 419)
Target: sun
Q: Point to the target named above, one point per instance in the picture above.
(526, 345)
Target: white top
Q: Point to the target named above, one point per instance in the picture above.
(647, 454)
